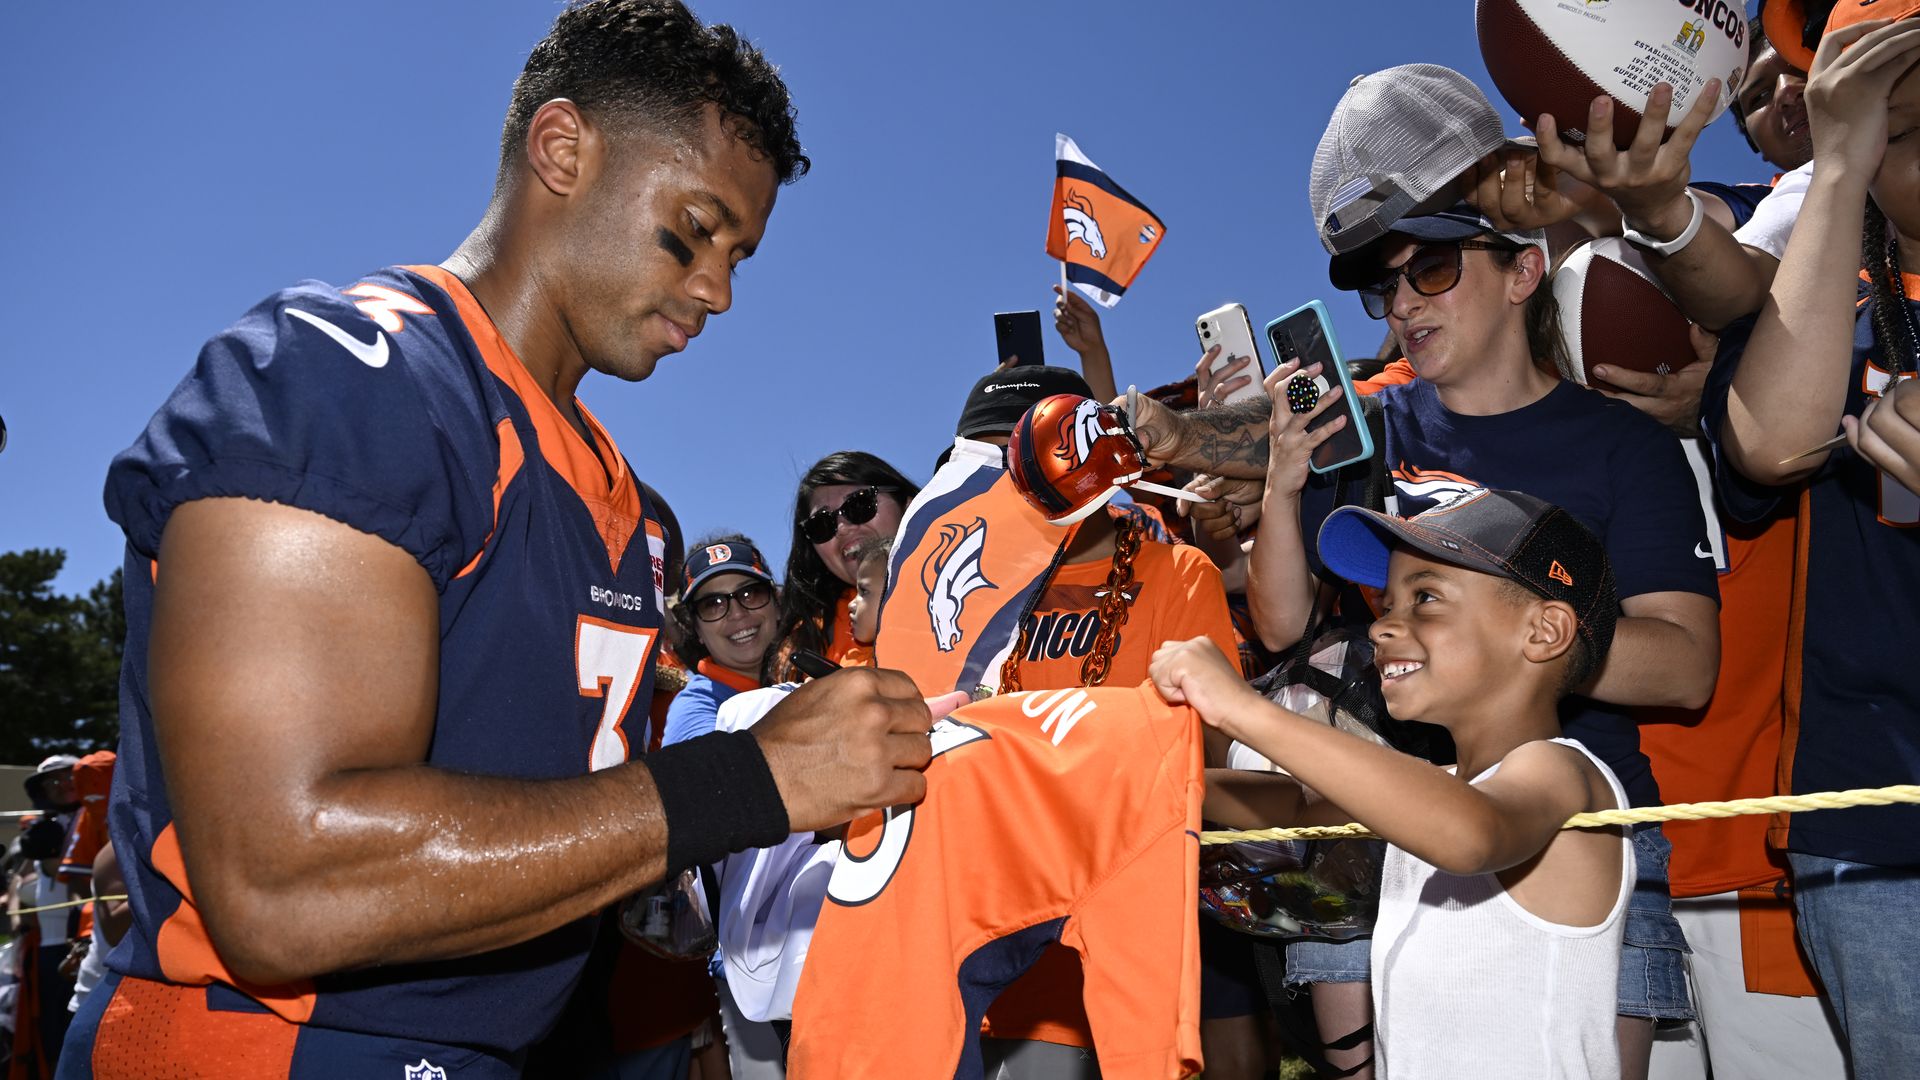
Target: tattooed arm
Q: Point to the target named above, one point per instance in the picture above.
(1227, 440)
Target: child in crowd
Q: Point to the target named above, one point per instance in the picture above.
(869, 587)
(1497, 947)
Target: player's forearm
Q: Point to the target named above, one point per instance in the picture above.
(1279, 586)
(414, 863)
(1714, 279)
(1410, 803)
(1658, 662)
(1791, 388)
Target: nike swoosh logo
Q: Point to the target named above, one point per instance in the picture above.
(371, 353)
(1700, 551)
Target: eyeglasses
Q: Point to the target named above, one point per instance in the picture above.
(713, 607)
(858, 508)
(1431, 270)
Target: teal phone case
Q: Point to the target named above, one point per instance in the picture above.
(1326, 351)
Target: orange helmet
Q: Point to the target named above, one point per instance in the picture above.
(1070, 454)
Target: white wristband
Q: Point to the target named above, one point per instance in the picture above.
(1668, 248)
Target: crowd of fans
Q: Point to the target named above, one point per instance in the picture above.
(1743, 565)
(1693, 700)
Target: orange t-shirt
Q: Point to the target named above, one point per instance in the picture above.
(1051, 815)
(1731, 748)
(1176, 595)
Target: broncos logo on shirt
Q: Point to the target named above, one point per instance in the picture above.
(1429, 487)
(949, 574)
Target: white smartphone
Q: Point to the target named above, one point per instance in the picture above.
(1228, 327)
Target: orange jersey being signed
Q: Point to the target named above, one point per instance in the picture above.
(1051, 815)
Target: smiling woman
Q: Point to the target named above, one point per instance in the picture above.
(847, 498)
(724, 625)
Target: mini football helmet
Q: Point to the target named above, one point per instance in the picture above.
(1070, 454)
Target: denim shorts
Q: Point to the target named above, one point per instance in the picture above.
(1653, 962)
(1653, 977)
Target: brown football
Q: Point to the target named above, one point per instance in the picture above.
(1612, 311)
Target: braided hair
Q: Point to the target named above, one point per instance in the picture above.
(1892, 326)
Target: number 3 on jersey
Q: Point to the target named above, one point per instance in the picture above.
(857, 879)
(610, 658)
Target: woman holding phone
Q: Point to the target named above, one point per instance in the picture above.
(1472, 312)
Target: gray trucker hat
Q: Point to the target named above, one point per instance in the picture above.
(1397, 141)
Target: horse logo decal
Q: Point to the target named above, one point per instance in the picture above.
(1079, 432)
(1081, 225)
(949, 574)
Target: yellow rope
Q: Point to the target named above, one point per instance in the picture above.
(1697, 811)
(68, 904)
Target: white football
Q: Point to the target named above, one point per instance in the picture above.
(1556, 56)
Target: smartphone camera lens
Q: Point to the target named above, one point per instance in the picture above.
(1206, 333)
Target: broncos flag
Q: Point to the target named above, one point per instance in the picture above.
(1102, 234)
(971, 552)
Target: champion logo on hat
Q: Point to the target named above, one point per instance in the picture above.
(991, 387)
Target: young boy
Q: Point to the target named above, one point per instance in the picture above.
(1497, 947)
(869, 586)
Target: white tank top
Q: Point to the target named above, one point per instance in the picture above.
(1468, 983)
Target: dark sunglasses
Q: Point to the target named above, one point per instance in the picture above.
(1432, 269)
(713, 607)
(858, 508)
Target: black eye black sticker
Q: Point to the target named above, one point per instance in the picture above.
(674, 246)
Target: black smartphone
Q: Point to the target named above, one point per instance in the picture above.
(1017, 334)
(1306, 334)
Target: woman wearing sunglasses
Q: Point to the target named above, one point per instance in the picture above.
(1471, 309)
(847, 498)
(724, 626)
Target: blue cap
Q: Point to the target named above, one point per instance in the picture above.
(723, 557)
(1461, 221)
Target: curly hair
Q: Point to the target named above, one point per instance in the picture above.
(811, 592)
(652, 59)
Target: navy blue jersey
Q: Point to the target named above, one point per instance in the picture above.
(394, 406)
(1853, 712)
(1614, 469)
(1740, 199)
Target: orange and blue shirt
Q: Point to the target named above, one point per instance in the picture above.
(1852, 713)
(392, 405)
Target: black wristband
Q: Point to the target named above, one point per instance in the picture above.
(718, 796)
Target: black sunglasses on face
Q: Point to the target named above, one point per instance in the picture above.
(1432, 269)
(858, 508)
(712, 607)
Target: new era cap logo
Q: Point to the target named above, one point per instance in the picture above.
(1559, 574)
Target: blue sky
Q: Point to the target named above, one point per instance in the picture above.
(167, 165)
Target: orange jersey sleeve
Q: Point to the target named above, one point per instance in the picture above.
(1394, 374)
(1066, 815)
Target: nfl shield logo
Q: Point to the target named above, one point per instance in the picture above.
(425, 1071)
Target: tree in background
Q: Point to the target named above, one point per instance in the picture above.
(59, 660)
